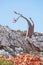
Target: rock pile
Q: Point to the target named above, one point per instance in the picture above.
(12, 43)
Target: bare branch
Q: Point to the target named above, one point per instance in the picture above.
(30, 30)
(15, 20)
(23, 17)
(32, 21)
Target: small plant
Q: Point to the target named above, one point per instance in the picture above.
(8, 63)
(3, 62)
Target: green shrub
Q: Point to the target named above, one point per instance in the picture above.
(3, 62)
(8, 63)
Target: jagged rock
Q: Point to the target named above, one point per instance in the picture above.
(15, 44)
(5, 53)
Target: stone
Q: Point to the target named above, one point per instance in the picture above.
(15, 43)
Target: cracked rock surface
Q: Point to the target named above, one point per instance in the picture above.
(13, 43)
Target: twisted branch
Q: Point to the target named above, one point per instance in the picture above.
(30, 30)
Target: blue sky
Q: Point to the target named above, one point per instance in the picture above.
(29, 8)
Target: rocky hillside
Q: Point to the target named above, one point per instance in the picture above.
(14, 43)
